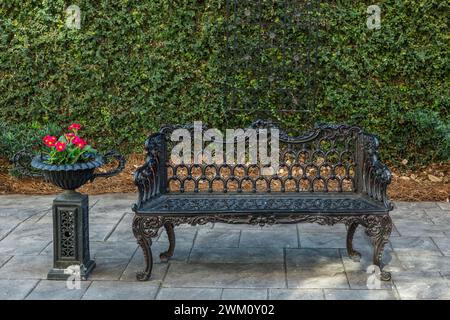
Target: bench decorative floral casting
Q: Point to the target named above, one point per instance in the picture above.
(328, 175)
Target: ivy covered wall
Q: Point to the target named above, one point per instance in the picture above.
(134, 65)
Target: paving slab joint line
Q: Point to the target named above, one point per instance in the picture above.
(239, 238)
(298, 235)
(285, 268)
(43, 249)
(32, 289)
(394, 253)
(395, 291)
(93, 205)
(158, 234)
(85, 291)
(7, 260)
(323, 294)
(341, 255)
(192, 246)
(115, 227)
(45, 213)
(128, 263)
(43, 210)
(395, 227)
(439, 248)
(158, 291)
(20, 223)
(162, 281)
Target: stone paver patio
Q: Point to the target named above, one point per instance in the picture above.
(304, 261)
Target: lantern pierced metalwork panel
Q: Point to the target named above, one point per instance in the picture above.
(67, 233)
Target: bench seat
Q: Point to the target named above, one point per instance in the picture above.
(276, 203)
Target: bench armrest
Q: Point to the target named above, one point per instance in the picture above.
(376, 176)
(147, 178)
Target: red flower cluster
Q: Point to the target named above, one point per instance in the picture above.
(60, 146)
(74, 127)
(69, 148)
(80, 143)
(49, 141)
(72, 138)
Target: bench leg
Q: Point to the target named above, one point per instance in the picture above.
(165, 256)
(352, 253)
(144, 228)
(379, 231)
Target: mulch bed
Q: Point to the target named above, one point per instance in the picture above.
(431, 183)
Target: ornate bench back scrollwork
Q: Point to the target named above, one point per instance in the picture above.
(322, 160)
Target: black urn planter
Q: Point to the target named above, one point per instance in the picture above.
(68, 176)
(71, 257)
(73, 176)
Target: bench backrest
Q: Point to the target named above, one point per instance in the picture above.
(325, 159)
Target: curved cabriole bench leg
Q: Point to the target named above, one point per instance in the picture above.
(144, 229)
(165, 256)
(379, 231)
(148, 258)
(352, 253)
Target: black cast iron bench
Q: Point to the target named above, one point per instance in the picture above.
(328, 175)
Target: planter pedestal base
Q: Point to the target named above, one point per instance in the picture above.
(71, 255)
(64, 274)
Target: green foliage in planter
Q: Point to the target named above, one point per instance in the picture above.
(135, 65)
